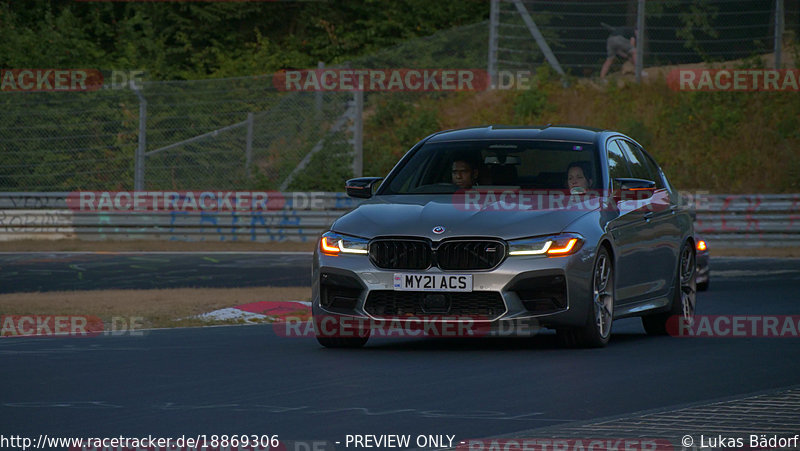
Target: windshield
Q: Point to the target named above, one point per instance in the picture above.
(446, 167)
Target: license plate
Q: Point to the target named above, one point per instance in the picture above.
(432, 282)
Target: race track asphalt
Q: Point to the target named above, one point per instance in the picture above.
(252, 380)
(59, 271)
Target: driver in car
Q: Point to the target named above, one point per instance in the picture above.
(464, 174)
(578, 181)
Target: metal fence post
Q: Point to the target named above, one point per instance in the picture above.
(537, 35)
(138, 171)
(318, 94)
(494, 20)
(358, 133)
(778, 32)
(640, 41)
(248, 149)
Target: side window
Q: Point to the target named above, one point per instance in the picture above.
(654, 169)
(636, 162)
(617, 167)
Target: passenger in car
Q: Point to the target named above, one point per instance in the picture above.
(464, 174)
(578, 180)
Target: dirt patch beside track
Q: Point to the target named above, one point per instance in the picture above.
(154, 308)
(150, 246)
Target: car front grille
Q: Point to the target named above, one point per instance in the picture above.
(485, 305)
(458, 255)
(449, 255)
(400, 254)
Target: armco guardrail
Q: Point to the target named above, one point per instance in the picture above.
(749, 220)
(300, 217)
(723, 220)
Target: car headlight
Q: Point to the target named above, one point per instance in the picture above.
(552, 246)
(333, 243)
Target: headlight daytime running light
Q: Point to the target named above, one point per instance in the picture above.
(554, 246)
(333, 243)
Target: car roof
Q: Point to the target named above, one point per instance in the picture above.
(543, 132)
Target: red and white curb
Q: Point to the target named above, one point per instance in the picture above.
(262, 311)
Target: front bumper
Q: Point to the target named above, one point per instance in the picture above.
(523, 293)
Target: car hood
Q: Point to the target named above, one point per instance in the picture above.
(417, 215)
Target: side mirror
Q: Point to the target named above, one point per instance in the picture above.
(361, 187)
(634, 189)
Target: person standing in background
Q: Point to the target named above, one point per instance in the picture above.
(621, 42)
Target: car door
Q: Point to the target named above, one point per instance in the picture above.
(625, 230)
(652, 250)
(667, 224)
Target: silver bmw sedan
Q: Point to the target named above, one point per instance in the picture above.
(507, 231)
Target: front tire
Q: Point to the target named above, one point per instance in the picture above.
(597, 331)
(684, 300)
